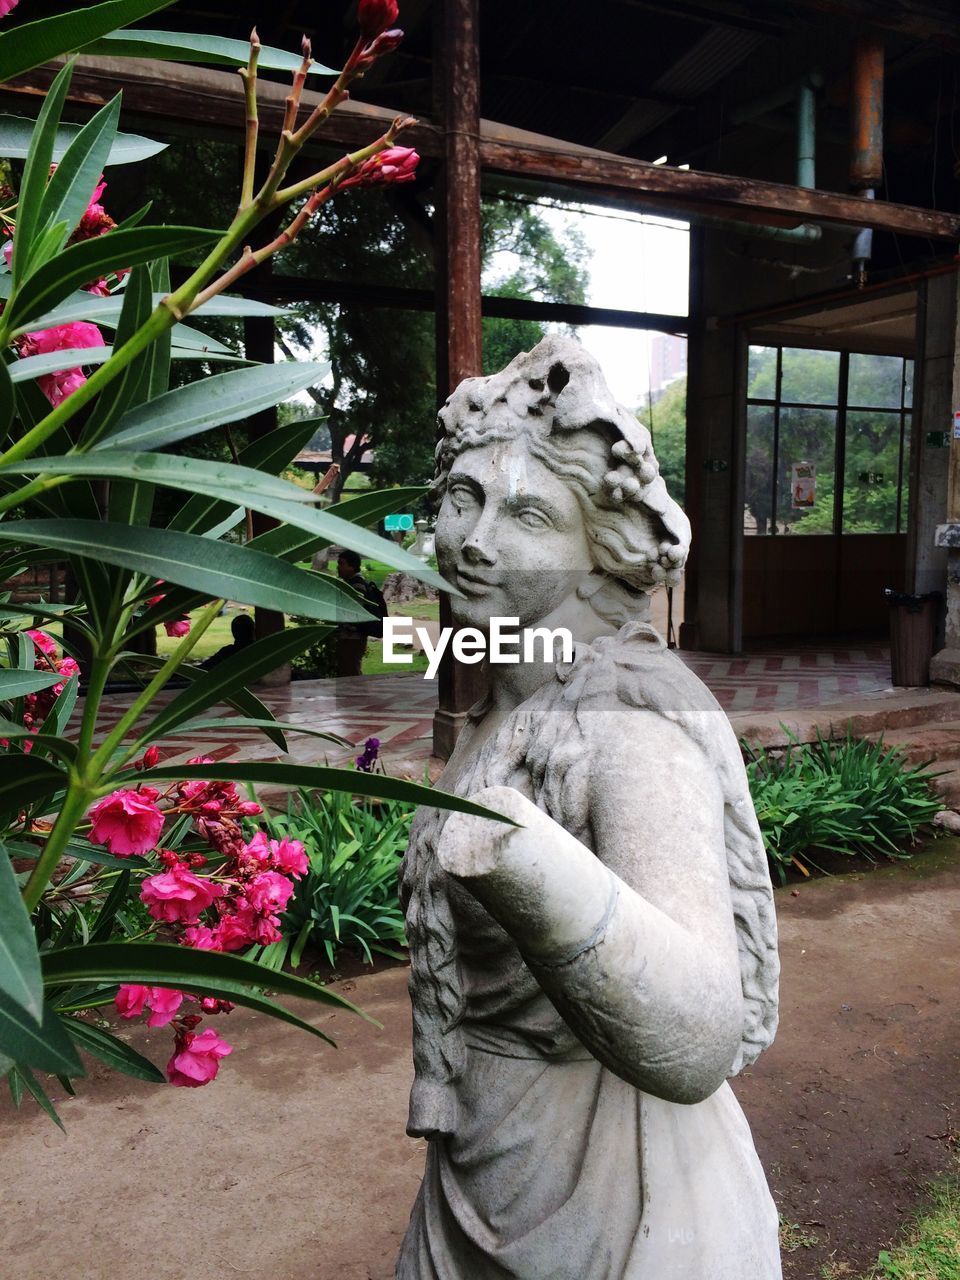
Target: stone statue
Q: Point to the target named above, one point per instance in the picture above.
(583, 982)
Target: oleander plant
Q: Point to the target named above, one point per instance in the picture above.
(125, 881)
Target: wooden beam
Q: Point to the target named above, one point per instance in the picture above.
(212, 99)
(284, 289)
(715, 194)
(456, 61)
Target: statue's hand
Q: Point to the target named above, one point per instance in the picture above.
(544, 887)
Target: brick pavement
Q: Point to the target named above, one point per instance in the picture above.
(398, 709)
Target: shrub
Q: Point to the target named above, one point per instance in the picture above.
(847, 797)
(349, 895)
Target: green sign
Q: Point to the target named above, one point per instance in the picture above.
(398, 523)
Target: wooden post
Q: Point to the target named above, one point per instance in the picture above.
(459, 330)
(945, 667)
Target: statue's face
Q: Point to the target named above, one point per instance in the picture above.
(510, 535)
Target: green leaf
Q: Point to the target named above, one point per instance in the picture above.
(270, 453)
(159, 351)
(36, 172)
(26, 779)
(235, 671)
(17, 683)
(75, 178)
(114, 901)
(126, 390)
(114, 1052)
(38, 1093)
(179, 46)
(91, 259)
(226, 397)
(213, 973)
(106, 311)
(46, 1047)
(8, 402)
(323, 778)
(19, 961)
(31, 367)
(16, 136)
(218, 569)
(29, 46)
(247, 722)
(293, 544)
(196, 475)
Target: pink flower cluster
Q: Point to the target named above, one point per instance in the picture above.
(37, 706)
(237, 905)
(178, 626)
(80, 334)
(389, 167)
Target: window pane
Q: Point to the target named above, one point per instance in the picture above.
(810, 377)
(762, 373)
(908, 385)
(871, 461)
(758, 490)
(875, 380)
(805, 479)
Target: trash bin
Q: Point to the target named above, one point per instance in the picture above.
(913, 623)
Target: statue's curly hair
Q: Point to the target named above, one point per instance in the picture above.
(556, 396)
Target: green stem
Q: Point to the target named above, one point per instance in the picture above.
(74, 806)
(102, 756)
(100, 669)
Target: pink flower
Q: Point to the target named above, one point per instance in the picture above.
(196, 1058)
(151, 757)
(65, 337)
(7, 6)
(199, 937)
(180, 627)
(46, 644)
(269, 892)
(130, 1000)
(249, 808)
(126, 822)
(236, 931)
(164, 1003)
(290, 857)
(374, 16)
(394, 165)
(178, 895)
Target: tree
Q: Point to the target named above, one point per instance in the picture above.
(668, 427)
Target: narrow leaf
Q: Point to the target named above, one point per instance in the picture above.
(227, 397)
(19, 961)
(29, 46)
(114, 1052)
(36, 172)
(39, 1094)
(235, 671)
(218, 569)
(16, 135)
(180, 46)
(16, 683)
(75, 178)
(106, 311)
(91, 259)
(46, 1047)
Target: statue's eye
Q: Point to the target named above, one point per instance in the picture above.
(532, 518)
(462, 497)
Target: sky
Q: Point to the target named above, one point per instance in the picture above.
(638, 263)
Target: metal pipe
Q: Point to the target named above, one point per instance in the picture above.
(866, 138)
(806, 135)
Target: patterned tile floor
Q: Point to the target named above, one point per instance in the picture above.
(398, 709)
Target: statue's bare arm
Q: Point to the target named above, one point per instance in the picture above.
(634, 943)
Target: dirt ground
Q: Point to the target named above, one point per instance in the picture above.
(294, 1164)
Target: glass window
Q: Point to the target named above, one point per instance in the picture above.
(810, 377)
(758, 489)
(908, 384)
(875, 381)
(805, 470)
(762, 373)
(871, 471)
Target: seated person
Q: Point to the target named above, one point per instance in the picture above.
(243, 630)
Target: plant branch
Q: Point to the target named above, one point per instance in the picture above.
(249, 76)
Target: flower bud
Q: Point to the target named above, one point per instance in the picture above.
(375, 16)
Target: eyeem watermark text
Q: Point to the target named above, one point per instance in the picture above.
(504, 644)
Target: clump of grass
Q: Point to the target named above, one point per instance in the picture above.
(847, 797)
(931, 1246)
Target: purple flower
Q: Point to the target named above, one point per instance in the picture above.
(371, 750)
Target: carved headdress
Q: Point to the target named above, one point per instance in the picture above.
(557, 398)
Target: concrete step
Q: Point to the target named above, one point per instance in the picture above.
(940, 742)
(864, 715)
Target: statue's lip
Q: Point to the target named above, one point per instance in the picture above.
(472, 580)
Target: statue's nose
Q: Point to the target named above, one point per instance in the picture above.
(481, 545)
